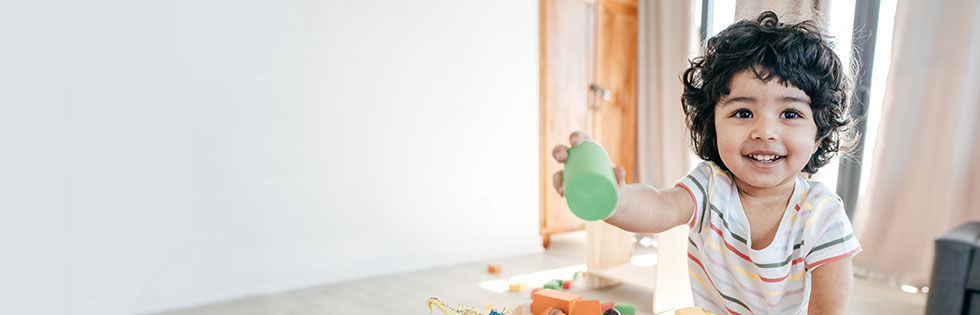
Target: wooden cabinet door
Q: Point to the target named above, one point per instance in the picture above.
(614, 123)
(566, 68)
(615, 77)
(588, 82)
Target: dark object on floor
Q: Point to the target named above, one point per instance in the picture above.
(611, 311)
(955, 284)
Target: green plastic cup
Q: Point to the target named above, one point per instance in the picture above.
(590, 184)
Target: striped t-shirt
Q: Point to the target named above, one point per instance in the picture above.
(729, 277)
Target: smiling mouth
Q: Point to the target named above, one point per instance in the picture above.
(765, 158)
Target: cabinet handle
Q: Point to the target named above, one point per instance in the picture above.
(602, 92)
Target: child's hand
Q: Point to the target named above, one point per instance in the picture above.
(560, 153)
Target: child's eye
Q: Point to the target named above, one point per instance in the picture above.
(792, 114)
(742, 113)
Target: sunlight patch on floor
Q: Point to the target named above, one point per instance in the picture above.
(539, 278)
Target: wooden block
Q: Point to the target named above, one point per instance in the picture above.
(553, 284)
(546, 299)
(493, 268)
(611, 311)
(585, 307)
(567, 284)
(625, 308)
(692, 311)
(607, 305)
(517, 286)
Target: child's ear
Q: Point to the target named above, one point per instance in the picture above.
(816, 145)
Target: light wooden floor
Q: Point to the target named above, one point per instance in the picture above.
(470, 284)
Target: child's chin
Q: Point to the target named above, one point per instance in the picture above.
(757, 182)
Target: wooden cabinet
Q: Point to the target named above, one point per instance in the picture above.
(588, 82)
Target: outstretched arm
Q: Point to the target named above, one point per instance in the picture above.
(645, 209)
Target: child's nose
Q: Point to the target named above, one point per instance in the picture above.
(765, 129)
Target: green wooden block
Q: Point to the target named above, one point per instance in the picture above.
(625, 308)
(577, 276)
(553, 284)
(591, 191)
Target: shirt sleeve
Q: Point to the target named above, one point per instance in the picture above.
(828, 233)
(697, 184)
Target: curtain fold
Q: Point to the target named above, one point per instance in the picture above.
(666, 40)
(925, 176)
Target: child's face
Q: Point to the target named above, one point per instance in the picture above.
(766, 133)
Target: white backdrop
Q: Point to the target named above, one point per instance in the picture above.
(163, 154)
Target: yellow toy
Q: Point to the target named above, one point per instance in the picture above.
(517, 286)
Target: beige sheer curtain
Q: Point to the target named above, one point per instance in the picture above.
(665, 41)
(925, 176)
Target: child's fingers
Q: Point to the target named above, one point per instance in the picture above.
(577, 137)
(557, 181)
(620, 175)
(560, 153)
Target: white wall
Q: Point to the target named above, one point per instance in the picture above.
(163, 154)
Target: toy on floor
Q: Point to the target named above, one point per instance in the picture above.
(611, 311)
(493, 268)
(517, 286)
(607, 305)
(472, 310)
(460, 310)
(553, 302)
(625, 308)
(554, 284)
(546, 301)
(559, 284)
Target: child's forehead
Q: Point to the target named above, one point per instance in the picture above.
(751, 83)
(757, 73)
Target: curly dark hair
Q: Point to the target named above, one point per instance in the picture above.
(799, 54)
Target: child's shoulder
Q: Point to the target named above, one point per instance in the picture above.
(707, 169)
(815, 189)
(820, 199)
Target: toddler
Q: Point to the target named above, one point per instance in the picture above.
(765, 104)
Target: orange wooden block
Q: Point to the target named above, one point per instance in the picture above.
(494, 269)
(585, 307)
(546, 299)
